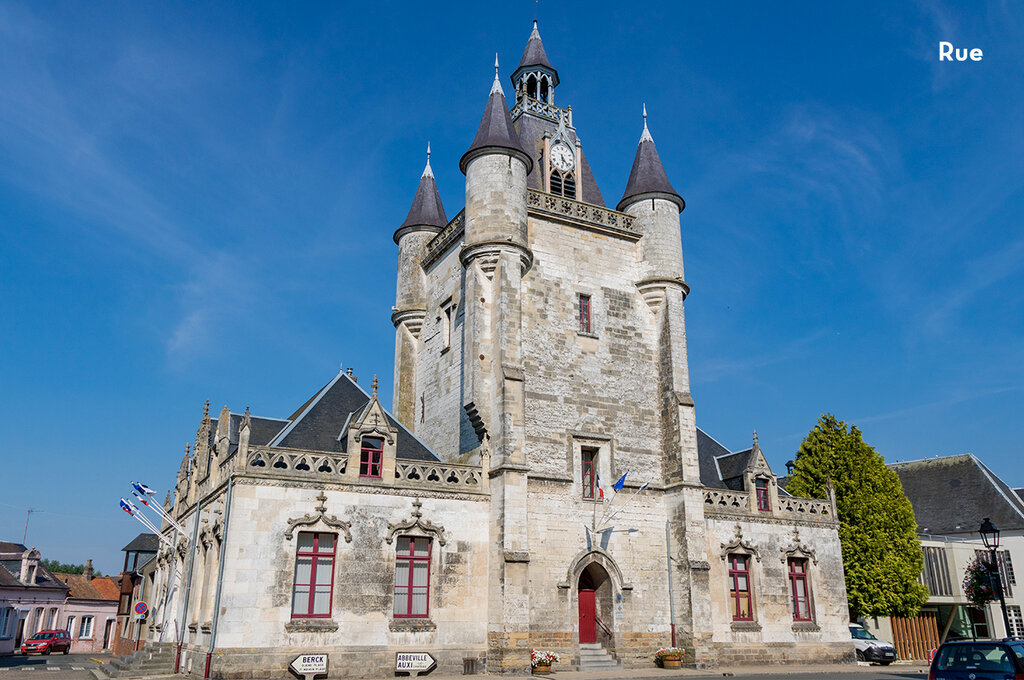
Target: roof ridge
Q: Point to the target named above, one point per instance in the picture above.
(928, 460)
(308, 407)
(993, 478)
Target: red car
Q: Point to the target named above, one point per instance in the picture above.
(46, 641)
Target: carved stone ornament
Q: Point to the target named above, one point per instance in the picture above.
(417, 522)
(738, 543)
(798, 549)
(373, 426)
(182, 548)
(321, 516)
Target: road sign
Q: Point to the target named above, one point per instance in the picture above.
(310, 665)
(141, 608)
(414, 662)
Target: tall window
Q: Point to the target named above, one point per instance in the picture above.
(798, 589)
(447, 320)
(70, 628)
(585, 314)
(85, 628)
(761, 486)
(935, 575)
(1004, 565)
(412, 577)
(5, 620)
(314, 576)
(51, 618)
(739, 587)
(371, 457)
(589, 468)
(1016, 620)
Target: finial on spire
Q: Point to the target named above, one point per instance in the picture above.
(496, 87)
(206, 408)
(645, 136)
(428, 171)
(188, 448)
(373, 384)
(755, 436)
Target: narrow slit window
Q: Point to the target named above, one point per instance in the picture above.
(589, 472)
(585, 314)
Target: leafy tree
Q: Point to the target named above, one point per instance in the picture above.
(882, 556)
(61, 568)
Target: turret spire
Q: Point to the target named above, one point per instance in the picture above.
(426, 209)
(535, 76)
(496, 130)
(648, 178)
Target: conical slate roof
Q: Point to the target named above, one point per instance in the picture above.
(534, 54)
(496, 129)
(648, 174)
(426, 204)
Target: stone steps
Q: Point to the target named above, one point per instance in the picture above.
(593, 657)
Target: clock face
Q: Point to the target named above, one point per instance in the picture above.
(562, 157)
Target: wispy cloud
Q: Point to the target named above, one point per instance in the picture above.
(717, 368)
(957, 398)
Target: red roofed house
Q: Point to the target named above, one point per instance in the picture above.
(90, 610)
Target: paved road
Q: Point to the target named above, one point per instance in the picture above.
(52, 667)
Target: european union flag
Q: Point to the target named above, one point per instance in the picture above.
(619, 484)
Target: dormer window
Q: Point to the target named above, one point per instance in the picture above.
(371, 457)
(761, 488)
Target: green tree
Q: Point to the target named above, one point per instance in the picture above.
(882, 556)
(60, 568)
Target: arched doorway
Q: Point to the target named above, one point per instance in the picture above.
(594, 594)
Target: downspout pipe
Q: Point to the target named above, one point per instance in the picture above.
(188, 586)
(220, 575)
(671, 595)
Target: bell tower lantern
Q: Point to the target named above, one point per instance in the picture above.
(535, 77)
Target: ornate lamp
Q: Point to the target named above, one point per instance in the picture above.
(989, 534)
(990, 537)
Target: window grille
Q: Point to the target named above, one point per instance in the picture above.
(1004, 566)
(1016, 620)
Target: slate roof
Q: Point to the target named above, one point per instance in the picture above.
(10, 561)
(261, 430)
(319, 422)
(143, 543)
(648, 174)
(953, 494)
(84, 589)
(426, 204)
(531, 131)
(707, 450)
(731, 467)
(534, 54)
(496, 130)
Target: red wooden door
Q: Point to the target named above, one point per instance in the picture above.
(588, 627)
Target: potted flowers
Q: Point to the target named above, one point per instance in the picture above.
(541, 661)
(978, 582)
(670, 657)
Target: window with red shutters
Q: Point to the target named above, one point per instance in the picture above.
(798, 588)
(314, 575)
(371, 457)
(739, 587)
(761, 486)
(585, 314)
(412, 578)
(589, 468)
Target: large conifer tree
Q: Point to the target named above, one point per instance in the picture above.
(882, 556)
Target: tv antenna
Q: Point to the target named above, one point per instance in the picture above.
(28, 516)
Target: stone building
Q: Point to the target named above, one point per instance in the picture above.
(540, 355)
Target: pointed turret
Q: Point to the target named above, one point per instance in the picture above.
(426, 210)
(647, 179)
(496, 133)
(535, 58)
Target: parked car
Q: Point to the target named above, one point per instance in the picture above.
(870, 648)
(978, 660)
(46, 641)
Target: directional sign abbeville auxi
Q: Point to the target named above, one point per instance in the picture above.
(414, 662)
(310, 665)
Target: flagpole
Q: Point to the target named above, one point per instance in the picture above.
(623, 507)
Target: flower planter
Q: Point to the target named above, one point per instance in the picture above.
(542, 669)
(671, 662)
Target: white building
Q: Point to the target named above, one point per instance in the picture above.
(31, 598)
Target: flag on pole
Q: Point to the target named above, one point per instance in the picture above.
(126, 506)
(143, 489)
(600, 486)
(622, 481)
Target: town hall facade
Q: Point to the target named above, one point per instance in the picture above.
(540, 356)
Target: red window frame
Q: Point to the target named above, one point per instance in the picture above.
(761, 488)
(585, 314)
(371, 459)
(797, 577)
(319, 560)
(739, 568)
(588, 461)
(407, 590)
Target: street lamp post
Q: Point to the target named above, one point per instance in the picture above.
(990, 537)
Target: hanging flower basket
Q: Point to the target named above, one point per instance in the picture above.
(540, 661)
(978, 582)
(669, 657)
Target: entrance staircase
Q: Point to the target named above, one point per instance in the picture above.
(156, 658)
(593, 657)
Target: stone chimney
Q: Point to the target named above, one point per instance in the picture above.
(88, 571)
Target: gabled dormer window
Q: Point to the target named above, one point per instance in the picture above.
(371, 457)
(761, 489)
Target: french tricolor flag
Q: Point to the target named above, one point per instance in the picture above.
(126, 506)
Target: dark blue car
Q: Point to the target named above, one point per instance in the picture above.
(979, 660)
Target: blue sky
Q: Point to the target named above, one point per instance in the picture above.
(198, 201)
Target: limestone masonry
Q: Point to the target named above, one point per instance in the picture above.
(540, 357)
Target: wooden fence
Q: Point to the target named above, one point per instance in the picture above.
(914, 638)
